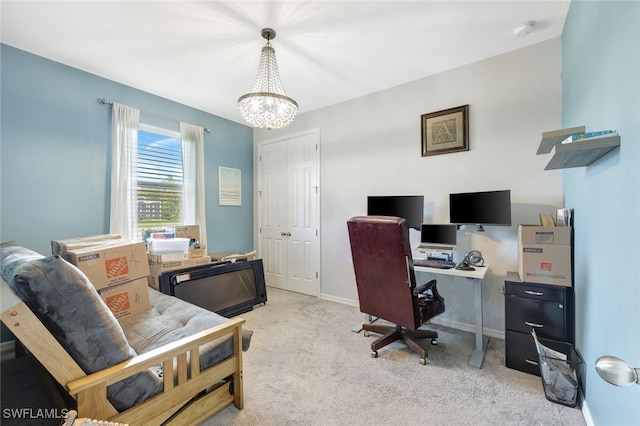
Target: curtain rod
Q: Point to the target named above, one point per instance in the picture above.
(105, 101)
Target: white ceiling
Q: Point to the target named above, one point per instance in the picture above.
(205, 54)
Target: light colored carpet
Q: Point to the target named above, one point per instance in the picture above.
(306, 367)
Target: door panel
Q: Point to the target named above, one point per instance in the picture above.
(302, 205)
(273, 221)
(288, 213)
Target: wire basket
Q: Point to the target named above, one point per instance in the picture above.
(560, 371)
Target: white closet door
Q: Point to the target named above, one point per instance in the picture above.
(289, 238)
(302, 214)
(273, 215)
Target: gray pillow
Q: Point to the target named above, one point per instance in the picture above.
(11, 256)
(66, 302)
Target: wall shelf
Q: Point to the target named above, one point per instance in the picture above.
(553, 138)
(575, 154)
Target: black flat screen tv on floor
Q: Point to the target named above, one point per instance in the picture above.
(481, 208)
(226, 288)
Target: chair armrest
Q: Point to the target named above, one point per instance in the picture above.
(162, 355)
(424, 287)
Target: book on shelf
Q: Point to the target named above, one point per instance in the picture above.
(580, 136)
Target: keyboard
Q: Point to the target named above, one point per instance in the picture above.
(435, 263)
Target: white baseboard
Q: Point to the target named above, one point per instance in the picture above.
(471, 328)
(342, 300)
(586, 413)
(7, 350)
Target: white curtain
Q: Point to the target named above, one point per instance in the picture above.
(124, 208)
(193, 170)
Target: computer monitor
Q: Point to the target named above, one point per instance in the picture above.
(439, 240)
(481, 208)
(408, 207)
(439, 234)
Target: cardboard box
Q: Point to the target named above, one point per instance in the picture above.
(62, 246)
(544, 254)
(167, 257)
(127, 299)
(157, 269)
(191, 232)
(112, 263)
(195, 253)
(232, 255)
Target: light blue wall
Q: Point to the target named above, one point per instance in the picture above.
(55, 154)
(601, 90)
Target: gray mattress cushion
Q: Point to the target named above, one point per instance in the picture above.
(68, 305)
(171, 319)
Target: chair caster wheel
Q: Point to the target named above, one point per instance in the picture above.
(434, 342)
(366, 333)
(423, 361)
(374, 354)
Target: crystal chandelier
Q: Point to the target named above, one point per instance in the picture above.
(266, 106)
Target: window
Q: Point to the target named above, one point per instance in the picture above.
(158, 183)
(160, 178)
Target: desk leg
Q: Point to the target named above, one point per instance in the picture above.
(370, 319)
(481, 342)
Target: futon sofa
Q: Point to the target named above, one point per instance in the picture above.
(174, 364)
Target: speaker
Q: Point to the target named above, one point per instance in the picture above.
(474, 258)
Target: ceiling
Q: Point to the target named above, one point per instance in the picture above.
(205, 54)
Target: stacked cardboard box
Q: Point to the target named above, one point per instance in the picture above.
(117, 268)
(544, 254)
(188, 231)
(62, 246)
(127, 299)
(192, 232)
(158, 268)
(159, 263)
(233, 255)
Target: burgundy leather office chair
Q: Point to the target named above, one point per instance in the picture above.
(386, 283)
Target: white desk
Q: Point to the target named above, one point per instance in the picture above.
(476, 276)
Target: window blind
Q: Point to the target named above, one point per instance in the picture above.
(160, 180)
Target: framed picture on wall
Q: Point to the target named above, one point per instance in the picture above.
(445, 131)
(230, 186)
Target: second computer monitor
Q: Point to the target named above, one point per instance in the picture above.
(438, 237)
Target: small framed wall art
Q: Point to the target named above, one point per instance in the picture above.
(229, 186)
(445, 131)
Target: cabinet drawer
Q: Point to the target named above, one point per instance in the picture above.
(539, 291)
(547, 317)
(521, 353)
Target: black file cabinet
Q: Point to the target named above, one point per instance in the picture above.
(547, 308)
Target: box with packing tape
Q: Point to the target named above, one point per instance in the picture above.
(166, 257)
(191, 232)
(196, 252)
(62, 246)
(127, 299)
(544, 254)
(111, 263)
(158, 268)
